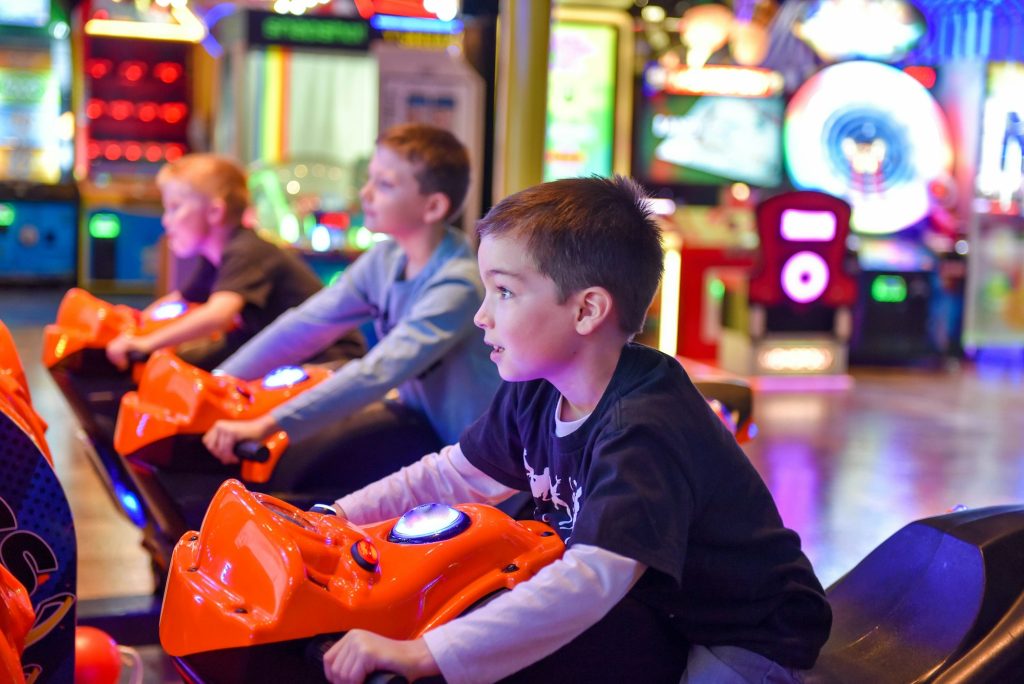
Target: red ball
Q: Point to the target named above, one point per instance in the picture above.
(97, 660)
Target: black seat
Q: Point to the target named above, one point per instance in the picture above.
(939, 601)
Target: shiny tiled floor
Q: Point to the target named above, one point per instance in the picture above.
(847, 467)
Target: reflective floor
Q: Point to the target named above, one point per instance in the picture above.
(847, 467)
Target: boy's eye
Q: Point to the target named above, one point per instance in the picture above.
(504, 293)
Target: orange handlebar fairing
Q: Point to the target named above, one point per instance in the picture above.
(262, 571)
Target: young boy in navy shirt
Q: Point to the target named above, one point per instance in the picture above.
(676, 557)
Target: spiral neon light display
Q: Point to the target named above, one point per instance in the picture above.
(872, 135)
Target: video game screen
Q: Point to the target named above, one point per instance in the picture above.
(709, 140)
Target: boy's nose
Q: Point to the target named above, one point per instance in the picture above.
(480, 319)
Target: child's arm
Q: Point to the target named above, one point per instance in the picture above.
(216, 315)
(439, 320)
(444, 477)
(511, 632)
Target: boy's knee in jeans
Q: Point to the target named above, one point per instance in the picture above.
(734, 665)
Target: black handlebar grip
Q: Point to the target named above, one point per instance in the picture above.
(316, 649)
(135, 356)
(251, 450)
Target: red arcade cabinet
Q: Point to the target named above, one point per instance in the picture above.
(796, 321)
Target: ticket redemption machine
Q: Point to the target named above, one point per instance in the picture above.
(38, 198)
(134, 115)
(796, 321)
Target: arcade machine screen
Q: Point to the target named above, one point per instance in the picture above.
(38, 198)
(710, 140)
(581, 100)
(874, 136)
(994, 307)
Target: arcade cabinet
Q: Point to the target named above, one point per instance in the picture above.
(874, 136)
(38, 197)
(135, 114)
(795, 320)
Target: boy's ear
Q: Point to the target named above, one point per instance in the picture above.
(436, 208)
(594, 307)
(216, 211)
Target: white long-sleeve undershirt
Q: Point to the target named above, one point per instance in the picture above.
(518, 628)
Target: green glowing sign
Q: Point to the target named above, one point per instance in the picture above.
(268, 28)
(104, 226)
(6, 215)
(890, 289)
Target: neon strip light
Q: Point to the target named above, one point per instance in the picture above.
(188, 29)
(270, 126)
(668, 327)
(388, 22)
(715, 80)
(808, 226)
(795, 359)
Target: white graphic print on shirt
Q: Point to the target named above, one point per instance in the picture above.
(544, 489)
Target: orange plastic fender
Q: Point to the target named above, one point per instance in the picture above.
(88, 322)
(263, 571)
(15, 398)
(16, 617)
(176, 398)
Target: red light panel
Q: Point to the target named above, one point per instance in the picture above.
(133, 71)
(95, 108)
(173, 112)
(154, 153)
(172, 152)
(168, 72)
(112, 151)
(121, 109)
(132, 151)
(98, 68)
(147, 111)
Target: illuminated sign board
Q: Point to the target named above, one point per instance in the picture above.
(731, 81)
(333, 33)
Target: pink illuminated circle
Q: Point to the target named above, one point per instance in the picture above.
(804, 277)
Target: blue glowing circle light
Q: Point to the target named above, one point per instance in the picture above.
(284, 376)
(872, 135)
(168, 310)
(427, 523)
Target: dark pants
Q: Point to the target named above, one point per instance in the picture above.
(631, 643)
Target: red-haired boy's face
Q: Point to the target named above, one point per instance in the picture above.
(185, 218)
(531, 333)
(392, 201)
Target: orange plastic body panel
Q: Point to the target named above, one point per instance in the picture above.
(176, 398)
(263, 571)
(16, 618)
(88, 322)
(15, 398)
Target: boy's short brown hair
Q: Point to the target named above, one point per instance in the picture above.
(214, 176)
(442, 161)
(584, 232)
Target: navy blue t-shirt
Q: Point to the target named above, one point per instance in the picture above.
(654, 475)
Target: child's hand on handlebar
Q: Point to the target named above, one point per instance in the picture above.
(225, 434)
(360, 653)
(119, 348)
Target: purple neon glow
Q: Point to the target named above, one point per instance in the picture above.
(805, 277)
(168, 310)
(808, 226)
